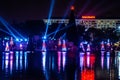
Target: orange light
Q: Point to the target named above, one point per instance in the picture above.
(72, 8)
(88, 17)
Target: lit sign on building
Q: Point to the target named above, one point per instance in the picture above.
(88, 17)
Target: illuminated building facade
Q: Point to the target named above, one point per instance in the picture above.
(88, 21)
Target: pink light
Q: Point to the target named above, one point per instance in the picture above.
(21, 46)
(102, 61)
(102, 46)
(88, 61)
(59, 60)
(11, 66)
(59, 42)
(88, 47)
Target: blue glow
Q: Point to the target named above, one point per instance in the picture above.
(16, 64)
(58, 30)
(21, 65)
(17, 39)
(108, 62)
(6, 25)
(5, 31)
(21, 55)
(17, 55)
(81, 57)
(118, 67)
(50, 13)
(21, 39)
(3, 63)
(53, 63)
(44, 37)
(26, 40)
(25, 59)
(16, 31)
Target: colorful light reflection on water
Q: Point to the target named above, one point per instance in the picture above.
(82, 66)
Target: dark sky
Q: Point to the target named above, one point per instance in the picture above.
(21, 10)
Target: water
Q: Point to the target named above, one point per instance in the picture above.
(57, 65)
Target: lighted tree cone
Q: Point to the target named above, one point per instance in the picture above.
(88, 47)
(64, 46)
(7, 47)
(102, 46)
(43, 46)
(59, 44)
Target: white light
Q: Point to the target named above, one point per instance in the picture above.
(21, 39)
(25, 39)
(119, 27)
(17, 39)
(44, 37)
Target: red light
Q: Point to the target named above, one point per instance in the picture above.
(72, 8)
(87, 75)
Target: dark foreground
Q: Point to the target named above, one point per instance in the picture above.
(57, 65)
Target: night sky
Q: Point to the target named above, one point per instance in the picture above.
(21, 10)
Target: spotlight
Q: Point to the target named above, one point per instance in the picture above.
(17, 39)
(44, 37)
(21, 39)
(25, 39)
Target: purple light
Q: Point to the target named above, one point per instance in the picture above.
(59, 60)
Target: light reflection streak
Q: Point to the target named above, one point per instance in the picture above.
(11, 66)
(63, 59)
(102, 61)
(118, 67)
(53, 63)
(108, 60)
(81, 60)
(59, 60)
(25, 60)
(44, 60)
(21, 64)
(88, 61)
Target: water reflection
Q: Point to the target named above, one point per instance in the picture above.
(8, 61)
(44, 60)
(63, 59)
(61, 65)
(108, 60)
(59, 61)
(117, 58)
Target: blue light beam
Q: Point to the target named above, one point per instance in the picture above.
(50, 13)
(65, 14)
